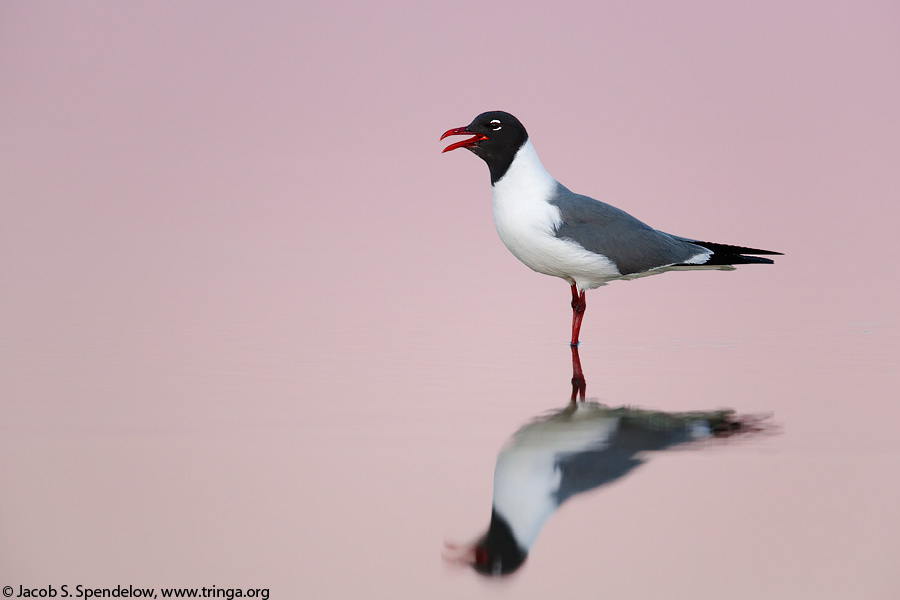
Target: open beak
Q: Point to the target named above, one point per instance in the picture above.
(465, 143)
(459, 555)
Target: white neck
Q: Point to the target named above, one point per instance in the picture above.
(524, 486)
(525, 172)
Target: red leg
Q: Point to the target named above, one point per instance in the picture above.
(578, 306)
(579, 385)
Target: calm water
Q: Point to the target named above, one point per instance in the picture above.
(256, 332)
(256, 454)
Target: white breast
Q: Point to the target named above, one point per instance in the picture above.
(527, 476)
(527, 222)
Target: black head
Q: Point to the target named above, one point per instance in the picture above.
(498, 553)
(497, 137)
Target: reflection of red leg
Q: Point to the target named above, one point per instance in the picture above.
(578, 306)
(579, 385)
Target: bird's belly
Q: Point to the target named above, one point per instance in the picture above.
(538, 247)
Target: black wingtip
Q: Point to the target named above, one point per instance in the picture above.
(746, 260)
(726, 254)
(736, 250)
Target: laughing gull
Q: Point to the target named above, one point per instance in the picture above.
(574, 450)
(560, 233)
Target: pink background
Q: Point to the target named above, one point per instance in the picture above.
(256, 331)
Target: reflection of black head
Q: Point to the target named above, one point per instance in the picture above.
(498, 553)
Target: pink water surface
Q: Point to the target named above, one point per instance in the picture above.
(256, 331)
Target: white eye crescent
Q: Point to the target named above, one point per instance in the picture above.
(495, 125)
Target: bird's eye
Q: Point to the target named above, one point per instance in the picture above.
(495, 125)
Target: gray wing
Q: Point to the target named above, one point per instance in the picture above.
(585, 471)
(633, 246)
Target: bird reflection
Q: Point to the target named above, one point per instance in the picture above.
(579, 385)
(573, 450)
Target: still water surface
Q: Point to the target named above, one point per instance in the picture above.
(263, 448)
